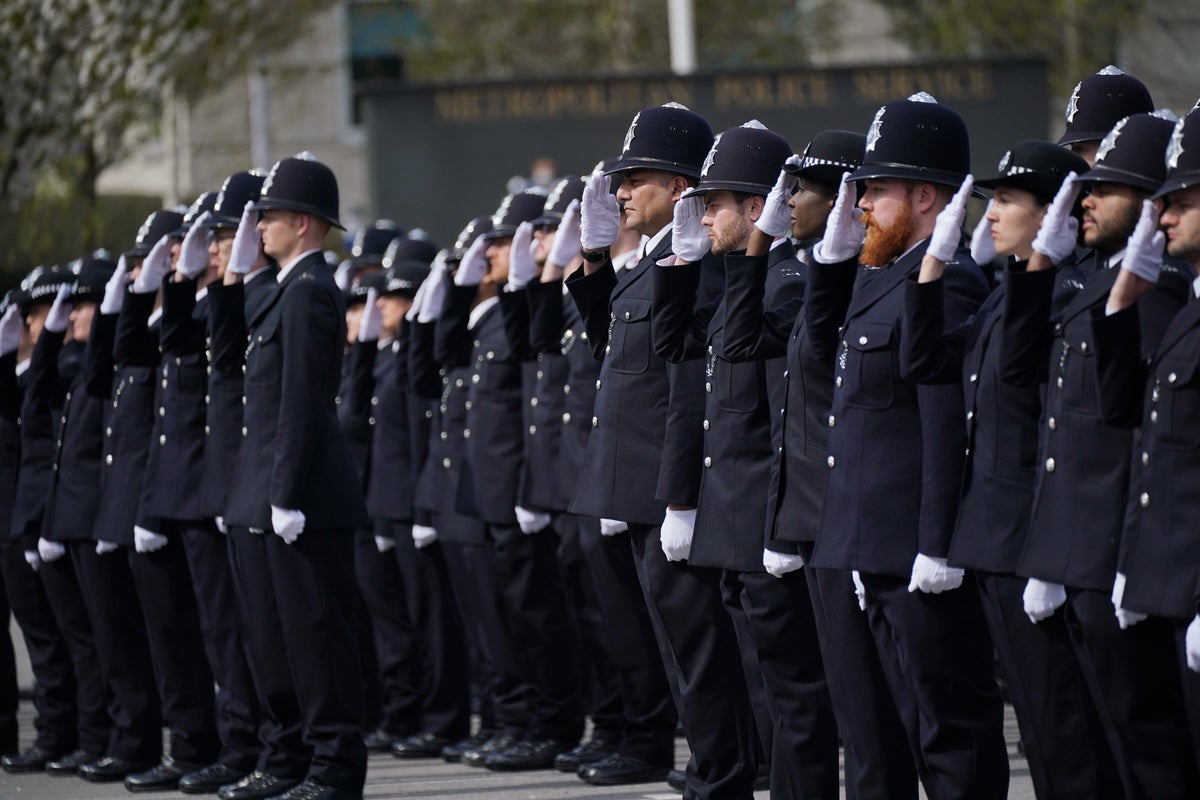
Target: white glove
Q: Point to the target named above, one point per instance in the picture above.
(860, 591)
(931, 575)
(384, 543)
(145, 541)
(423, 536)
(844, 231)
(288, 523)
(50, 551)
(676, 534)
(33, 560)
(1144, 251)
(947, 228)
(983, 246)
(521, 267)
(1126, 619)
(780, 564)
(60, 311)
(1042, 599)
(104, 547)
(115, 289)
(343, 276)
(193, 253)
(10, 330)
(435, 298)
(372, 319)
(611, 527)
(776, 217)
(531, 521)
(474, 264)
(1059, 230)
(247, 242)
(566, 238)
(155, 267)
(689, 237)
(599, 214)
(1192, 645)
(220, 523)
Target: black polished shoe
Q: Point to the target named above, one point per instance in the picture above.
(256, 786)
(209, 779)
(582, 755)
(619, 770)
(762, 780)
(70, 763)
(110, 769)
(311, 790)
(161, 778)
(452, 753)
(478, 756)
(420, 745)
(528, 754)
(677, 780)
(32, 760)
(380, 741)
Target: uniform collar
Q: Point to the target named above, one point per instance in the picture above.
(478, 311)
(651, 244)
(24, 365)
(287, 268)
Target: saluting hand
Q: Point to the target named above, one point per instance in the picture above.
(600, 214)
(983, 246)
(247, 242)
(10, 330)
(60, 311)
(115, 289)
(474, 264)
(947, 228)
(689, 237)
(372, 319)
(521, 266)
(844, 231)
(566, 238)
(193, 253)
(155, 267)
(1059, 230)
(776, 217)
(1142, 263)
(435, 297)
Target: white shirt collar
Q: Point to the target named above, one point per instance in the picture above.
(249, 276)
(648, 245)
(203, 293)
(1196, 286)
(385, 342)
(478, 311)
(287, 268)
(24, 365)
(1115, 258)
(155, 316)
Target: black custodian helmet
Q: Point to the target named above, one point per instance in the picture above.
(91, 275)
(917, 139)
(41, 286)
(467, 236)
(828, 156)
(567, 189)
(159, 224)
(514, 209)
(371, 242)
(1183, 155)
(239, 188)
(668, 137)
(1134, 152)
(301, 183)
(406, 248)
(1037, 167)
(204, 202)
(1102, 100)
(357, 293)
(744, 159)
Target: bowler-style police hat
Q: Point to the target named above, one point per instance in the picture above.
(567, 189)
(159, 224)
(41, 286)
(91, 275)
(357, 293)
(301, 183)
(917, 139)
(205, 202)
(745, 159)
(406, 248)
(828, 156)
(467, 236)
(1037, 167)
(667, 137)
(239, 188)
(1102, 100)
(1183, 155)
(371, 242)
(514, 209)
(404, 277)
(1134, 152)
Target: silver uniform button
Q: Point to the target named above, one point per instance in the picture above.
(707, 386)
(862, 340)
(370, 420)
(207, 399)
(1145, 457)
(206, 430)
(162, 411)
(566, 418)
(970, 416)
(838, 381)
(164, 383)
(466, 433)
(785, 373)
(832, 420)
(595, 422)
(539, 374)
(831, 461)
(491, 354)
(245, 432)
(1154, 415)
(533, 401)
(475, 378)
(532, 430)
(108, 431)
(374, 401)
(458, 383)
(597, 384)
(1049, 465)
(1172, 378)
(1059, 383)
(1051, 423)
(974, 377)
(706, 425)
(1083, 347)
(107, 460)
(567, 389)
(446, 463)
(707, 461)
(162, 440)
(467, 405)
(1145, 499)
(445, 435)
(626, 315)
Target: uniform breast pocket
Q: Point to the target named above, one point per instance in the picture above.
(739, 386)
(262, 354)
(1079, 390)
(629, 343)
(1177, 422)
(870, 365)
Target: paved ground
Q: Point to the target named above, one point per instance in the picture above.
(389, 778)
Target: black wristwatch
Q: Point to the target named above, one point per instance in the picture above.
(594, 256)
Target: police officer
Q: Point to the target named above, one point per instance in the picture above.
(294, 477)
(896, 448)
(643, 459)
(1099, 102)
(720, 214)
(1070, 552)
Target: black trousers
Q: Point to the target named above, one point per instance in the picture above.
(282, 749)
(602, 695)
(1191, 685)
(446, 710)
(482, 676)
(396, 651)
(54, 687)
(804, 756)
(185, 682)
(221, 630)
(935, 649)
(313, 580)
(879, 763)
(9, 696)
(535, 605)
(737, 605)
(647, 731)
(1134, 680)
(65, 596)
(1064, 743)
(122, 650)
(687, 603)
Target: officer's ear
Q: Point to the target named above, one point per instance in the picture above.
(754, 206)
(926, 197)
(679, 185)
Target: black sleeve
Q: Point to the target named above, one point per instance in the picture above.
(546, 318)
(362, 377)
(1027, 333)
(423, 374)
(135, 343)
(830, 287)
(10, 389)
(593, 295)
(98, 355)
(44, 387)
(181, 333)
(451, 339)
(227, 328)
(680, 331)
(752, 333)
(1121, 373)
(514, 312)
